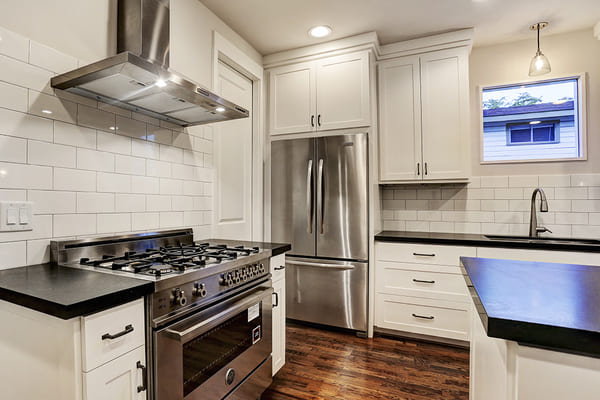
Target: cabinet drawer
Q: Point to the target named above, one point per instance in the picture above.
(422, 316)
(117, 380)
(422, 253)
(402, 279)
(278, 267)
(125, 321)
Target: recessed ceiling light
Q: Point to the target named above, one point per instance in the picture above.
(113, 128)
(319, 31)
(220, 109)
(47, 111)
(534, 122)
(161, 83)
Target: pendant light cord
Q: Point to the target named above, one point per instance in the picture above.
(538, 36)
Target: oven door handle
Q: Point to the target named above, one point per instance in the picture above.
(205, 325)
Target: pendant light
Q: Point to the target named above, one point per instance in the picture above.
(539, 63)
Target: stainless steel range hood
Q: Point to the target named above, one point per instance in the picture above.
(138, 77)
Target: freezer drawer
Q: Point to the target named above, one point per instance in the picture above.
(327, 292)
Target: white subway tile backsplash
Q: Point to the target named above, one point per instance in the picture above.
(183, 203)
(513, 193)
(115, 183)
(161, 169)
(114, 143)
(38, 251)
(54, 155)
(50, 59)
(546, 181)
(494, 181)
(171, 186)
(574, 218)
(580, 193)
(14, 45)
(523, 181)
(194, 158)
(13, 97)
(144, 221)
(586, 205)
(42, 229)
(171, 154)
(26, 126)
(494, 205)
(159, 135)
(74, 180)
(95, 160)
(13, 195)
(74, 135)
(193, 218)
(52, 202)
(13, 254)
(145, 185)
(585, 180)
(88, 203)
(144, 118)
(407, 215)
(95, 118)
(130, 165)
(158, 203)
(74, 224)
(429, 215)
(113, 223)
(415, 204)
(26, 75)
(187, 172)
(130, 127)
(142, 148)
(22, 176)
(394, 225)
(170, 219)
(47, 106)
(13, 149)
(195, 189)
(586, 231)
(130, 203)
(183, 140)
(114, 109)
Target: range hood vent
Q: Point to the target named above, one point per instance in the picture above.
(138, 77)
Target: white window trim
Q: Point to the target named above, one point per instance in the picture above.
(581, 117)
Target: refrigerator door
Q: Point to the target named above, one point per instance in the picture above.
(342, 202)
(327, 292)
(293, 194)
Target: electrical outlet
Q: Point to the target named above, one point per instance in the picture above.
(16, 216)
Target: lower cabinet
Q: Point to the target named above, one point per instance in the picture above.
(278, 271)
(96, 357)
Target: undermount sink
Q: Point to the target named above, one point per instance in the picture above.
(529, 239)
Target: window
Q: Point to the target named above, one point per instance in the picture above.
(537, 121)
(535, 132)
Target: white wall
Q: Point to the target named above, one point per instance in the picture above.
(568, 53)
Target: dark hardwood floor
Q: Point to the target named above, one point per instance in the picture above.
(322, 364)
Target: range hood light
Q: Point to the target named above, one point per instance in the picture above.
(47, 111)
(160, 83)
(220, 109)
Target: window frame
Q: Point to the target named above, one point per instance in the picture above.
(550, 122)
(580, 117)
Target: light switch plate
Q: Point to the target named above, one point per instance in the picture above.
(16, 216)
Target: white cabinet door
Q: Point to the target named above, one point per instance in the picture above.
(399, 119)
(343, 91)
(279, 326)
(118, 379)
(444, 108)
(292, 99)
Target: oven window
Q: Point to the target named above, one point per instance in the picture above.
(208, 353)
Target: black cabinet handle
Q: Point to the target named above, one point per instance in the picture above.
(418, 168)
(425, 168)
(312, 120)
(424, 254)
(422, 316)
(144, 386)
(128, 329)
(420, 281)
(319, 119)
(279, 268)
(276, 299)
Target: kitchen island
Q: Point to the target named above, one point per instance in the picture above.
(537, 334)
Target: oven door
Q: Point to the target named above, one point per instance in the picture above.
(208, 354)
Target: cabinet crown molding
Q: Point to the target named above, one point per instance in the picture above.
(459, 38)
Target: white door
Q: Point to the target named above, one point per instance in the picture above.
(233, 161)
(343, 91)
(292, 99)
(400, 120)
(445, 102)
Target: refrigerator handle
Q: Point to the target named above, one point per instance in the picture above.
(309, 197)
(320, 207)
(342, 266)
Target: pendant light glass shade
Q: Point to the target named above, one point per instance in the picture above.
(539, 63)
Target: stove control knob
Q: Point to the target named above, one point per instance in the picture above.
(261, 268)
(199, 290)
(178, 297)
(227, 280)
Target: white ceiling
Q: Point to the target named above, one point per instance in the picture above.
(275, 25)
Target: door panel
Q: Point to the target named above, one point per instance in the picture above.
(327, 292)
(342, 205)
(400, 120)
(233, 161)
(293, 195)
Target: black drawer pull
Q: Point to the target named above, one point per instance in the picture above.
(423, 317)
(128, 329)
(276, 299)
(144, 386)
(421, 281)
(424, 254)
(279, 268)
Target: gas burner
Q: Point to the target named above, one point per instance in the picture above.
(158, 270)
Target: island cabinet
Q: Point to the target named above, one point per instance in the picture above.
(420, 289)
(95, 357)
(278, 272)
(424, 117)
(328, 93)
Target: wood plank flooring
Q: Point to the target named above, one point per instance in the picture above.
(323, 364)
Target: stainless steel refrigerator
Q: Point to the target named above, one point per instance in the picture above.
(319, 204)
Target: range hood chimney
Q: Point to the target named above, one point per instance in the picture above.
(138, 77)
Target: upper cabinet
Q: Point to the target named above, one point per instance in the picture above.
(328, 93)
(424, 117)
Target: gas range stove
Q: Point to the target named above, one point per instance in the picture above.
(187, 275)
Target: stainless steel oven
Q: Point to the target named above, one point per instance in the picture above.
(221, 352)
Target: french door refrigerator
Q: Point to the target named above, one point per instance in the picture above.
(319, 204)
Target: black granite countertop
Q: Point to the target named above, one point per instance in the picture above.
(465, 239)
(552, 306)
(68, 292)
